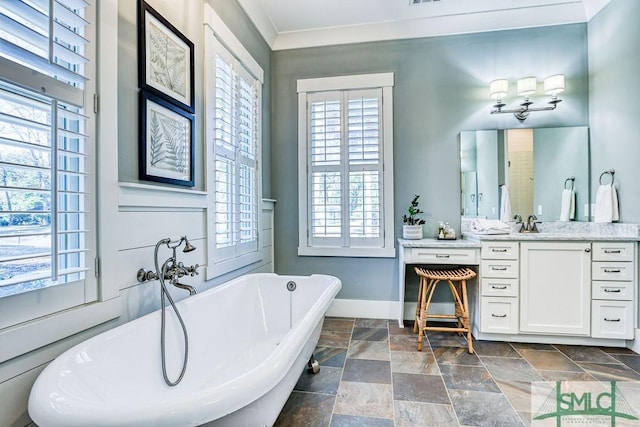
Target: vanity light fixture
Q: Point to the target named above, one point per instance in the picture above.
(499, 89)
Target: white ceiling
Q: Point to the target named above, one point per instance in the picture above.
(288, 24)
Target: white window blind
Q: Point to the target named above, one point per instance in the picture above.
(46, 225)
(236, 136)
(345, 164)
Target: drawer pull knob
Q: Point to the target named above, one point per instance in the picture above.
(499, 268)
(499, 287)
(612, 291)
(442, 256)
(612, 270)
(498, 250)
(611, 320)
(611, 251)
(500, 316)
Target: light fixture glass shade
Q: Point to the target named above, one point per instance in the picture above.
(553, 85)
(498, 89)
(527, 86)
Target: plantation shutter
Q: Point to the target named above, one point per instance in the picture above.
(45, 149)
(236, 164)
(345, 168)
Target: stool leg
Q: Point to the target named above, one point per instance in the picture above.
(466, 319)
(419, 325)
(431, 287)
(420, 291)
(457, 303)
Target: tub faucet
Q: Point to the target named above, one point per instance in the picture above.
(171, 269)
(191, 289)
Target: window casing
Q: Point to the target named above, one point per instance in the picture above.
(47, 225)
(345, 166)
(233, 134)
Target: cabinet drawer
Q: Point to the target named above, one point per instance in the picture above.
(621, 291)
(613, 251)
(499, 250)
(495, 287)
(499, 315)
(499, 268)
(612, 271)
(444, 256)
(612, 319)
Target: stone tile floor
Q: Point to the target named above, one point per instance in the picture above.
(371, 375)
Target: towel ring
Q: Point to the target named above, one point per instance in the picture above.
(572, 179)
(609, 172)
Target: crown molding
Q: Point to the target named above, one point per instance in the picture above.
(494, 20)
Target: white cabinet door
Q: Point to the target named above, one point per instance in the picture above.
(555, 288)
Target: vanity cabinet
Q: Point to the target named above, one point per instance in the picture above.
(573, 292)
(499, 287)
(613, 271)
(555, 288)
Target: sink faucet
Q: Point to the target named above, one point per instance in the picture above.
(518, 220)
(531, 225)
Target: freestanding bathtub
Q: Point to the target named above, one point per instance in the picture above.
(249, 341)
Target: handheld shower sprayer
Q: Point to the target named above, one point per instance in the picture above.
(171, 270)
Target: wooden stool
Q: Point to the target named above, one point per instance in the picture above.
(429, 280)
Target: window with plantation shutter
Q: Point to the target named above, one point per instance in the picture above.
(233, 135)
(46, 148)
(346, 166)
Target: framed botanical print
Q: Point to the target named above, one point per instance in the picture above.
(165, 58)
(166, 141)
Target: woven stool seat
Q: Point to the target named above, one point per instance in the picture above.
(456, 278)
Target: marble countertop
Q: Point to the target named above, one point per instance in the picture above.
(567, 231)
(551, 236)
(549, 231)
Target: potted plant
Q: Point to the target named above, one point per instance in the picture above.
(412, 228)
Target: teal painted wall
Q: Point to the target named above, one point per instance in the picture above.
(559, 153)
(614, 59)
(441, 88)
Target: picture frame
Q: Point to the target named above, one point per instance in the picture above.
(167, 135)
(165, 58)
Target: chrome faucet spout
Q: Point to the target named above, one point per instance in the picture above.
(191, 289)
(531, 224)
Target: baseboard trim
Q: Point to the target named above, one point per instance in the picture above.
(369, 309)
(366, 309)
(634, 345)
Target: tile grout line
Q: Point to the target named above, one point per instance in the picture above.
(453, 408)
(335, 402)
(393, 401)
(500, 388)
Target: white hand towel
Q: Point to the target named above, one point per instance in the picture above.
(489, 226)
(505, 205)
(568, 206)
(614, 199)
(606, 204)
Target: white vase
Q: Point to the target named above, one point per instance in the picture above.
(412, 232)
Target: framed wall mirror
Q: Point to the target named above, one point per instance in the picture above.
(535, 165)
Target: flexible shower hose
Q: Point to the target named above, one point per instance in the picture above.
(164, 292)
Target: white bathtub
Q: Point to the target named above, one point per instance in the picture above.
(249, 340)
